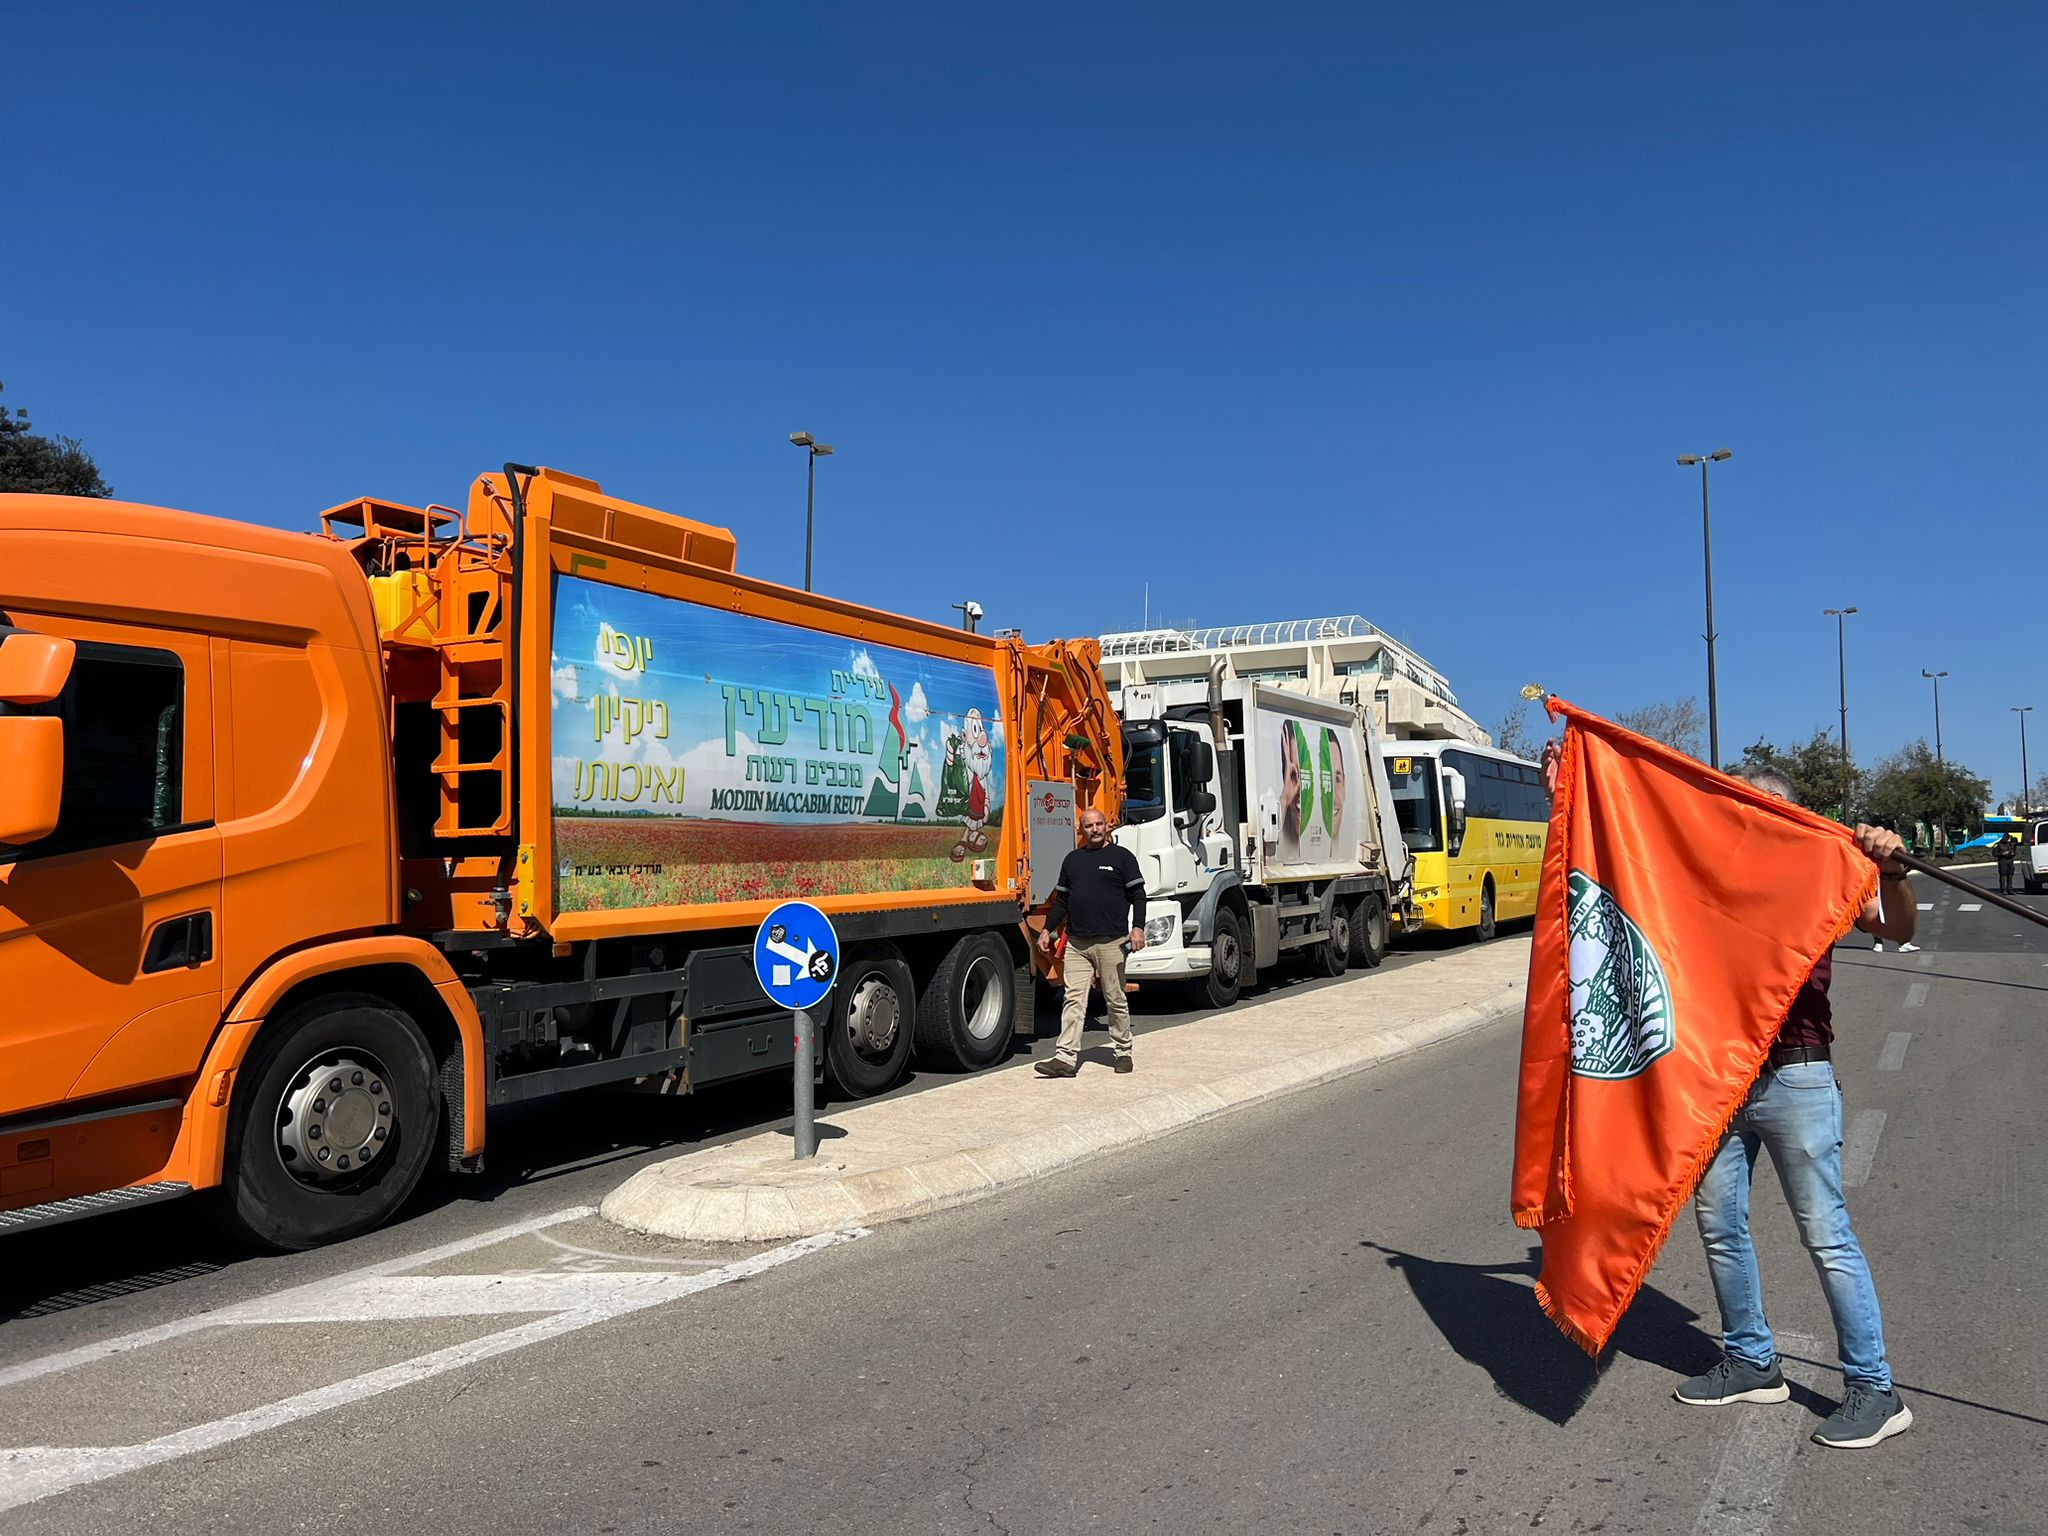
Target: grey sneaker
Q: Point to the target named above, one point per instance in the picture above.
(1055, 1066)
(1734, 1381)
(1123, 1064)
(1865, 1417)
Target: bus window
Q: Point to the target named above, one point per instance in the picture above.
(1416, 806)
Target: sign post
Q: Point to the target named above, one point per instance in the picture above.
(796, 960)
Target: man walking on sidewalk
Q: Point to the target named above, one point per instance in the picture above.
(1794, 1110)
(1100, 899)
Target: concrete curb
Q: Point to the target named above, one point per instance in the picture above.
(731, 1194)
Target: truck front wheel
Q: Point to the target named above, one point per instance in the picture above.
(967, 1013)
(1226, 961)
(873, 1006)
(334, 1120)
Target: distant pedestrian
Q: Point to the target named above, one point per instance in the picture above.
(1100, 901)
(1794, 1110)
(2005, 850)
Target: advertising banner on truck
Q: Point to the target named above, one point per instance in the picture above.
(1308, 764)
(708, 756)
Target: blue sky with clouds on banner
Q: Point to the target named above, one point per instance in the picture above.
(1403, 311)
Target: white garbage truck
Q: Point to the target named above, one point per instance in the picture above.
(1263, 821)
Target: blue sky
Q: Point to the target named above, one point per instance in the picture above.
(1395, 310)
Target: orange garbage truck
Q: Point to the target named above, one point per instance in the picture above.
(314, 848)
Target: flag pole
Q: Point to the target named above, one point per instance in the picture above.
(1977, 892)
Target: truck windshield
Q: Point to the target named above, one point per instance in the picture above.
(1415, 803)
(1144, 774)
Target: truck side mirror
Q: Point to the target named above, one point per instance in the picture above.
(1202, 803)
(33, 670)
(1205, 764)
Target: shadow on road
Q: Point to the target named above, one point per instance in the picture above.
(1488, 1314)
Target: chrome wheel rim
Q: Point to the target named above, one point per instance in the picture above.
(337, 1117)
(982, 998)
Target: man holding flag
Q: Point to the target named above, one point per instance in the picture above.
(1677, 1023)
(1794, 1109)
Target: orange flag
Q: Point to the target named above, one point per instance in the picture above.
(1680, 912)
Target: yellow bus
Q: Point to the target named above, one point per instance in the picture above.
(1475, 819)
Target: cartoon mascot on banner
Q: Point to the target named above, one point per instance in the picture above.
(967, 782)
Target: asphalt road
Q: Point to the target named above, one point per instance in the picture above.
(1313, 1315)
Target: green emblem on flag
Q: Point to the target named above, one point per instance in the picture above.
(1620, 1005)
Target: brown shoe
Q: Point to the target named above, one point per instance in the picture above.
(1055, 1066)
(1123, 1064)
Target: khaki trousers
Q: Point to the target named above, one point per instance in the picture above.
(1085, 960)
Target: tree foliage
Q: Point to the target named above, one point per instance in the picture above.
(1820, 778)
(1910, 786)
(1513, 734)
(1678, 723)
(55, 466)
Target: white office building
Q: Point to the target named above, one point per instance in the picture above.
(1341, 658)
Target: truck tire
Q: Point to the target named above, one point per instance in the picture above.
(1368, 933)
(1227, 961)
(874, 1007)
(967, 1012)
(1332, 955)
(1487, 926)
(335, 1117)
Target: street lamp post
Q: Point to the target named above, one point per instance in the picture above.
(1707, 552)
(1937, 677)
(1841, 618)
(2021, 711)
(813, 451)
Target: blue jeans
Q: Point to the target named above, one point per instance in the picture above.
(1795, 1111)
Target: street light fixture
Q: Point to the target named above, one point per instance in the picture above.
(1936, 677)
(1841, 616)
(813, 451)
(1707, 550)
(2021, 711)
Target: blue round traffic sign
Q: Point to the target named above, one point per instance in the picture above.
(796, 955)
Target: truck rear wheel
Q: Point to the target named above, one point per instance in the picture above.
(873, 1008)
(1334, 953)
(1368, 932)
(1226, 961)
(334, 1120)
(967, 1013)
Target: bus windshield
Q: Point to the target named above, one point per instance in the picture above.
(1415, 803)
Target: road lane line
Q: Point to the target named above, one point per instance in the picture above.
(85, 1354)
(1742, 1499)
(1926, 906)
(1893, 1056)
(32, 1473)
(1860, 1150)
(1971, 906)
(1916, 995)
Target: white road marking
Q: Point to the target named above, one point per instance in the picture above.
(1860, 1150)
(85, 1354)
(1893, 1056)
(1926, 906)
(1742, 1500)
(32, 1473)
(1916, 995)
(1971, 906)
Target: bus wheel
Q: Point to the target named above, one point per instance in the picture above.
(873, 1005)
(334, 1120)
(1334, 953)
(1226, 961)
(1368, 932)
(967, 1012)
(1486, 928)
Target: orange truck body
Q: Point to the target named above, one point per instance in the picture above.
(304, 774)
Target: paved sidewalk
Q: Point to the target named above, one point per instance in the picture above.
(927, 1151)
